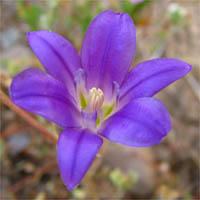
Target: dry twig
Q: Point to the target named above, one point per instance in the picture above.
(28, 118)
(29, 179)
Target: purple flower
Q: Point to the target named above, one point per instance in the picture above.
(95, 94)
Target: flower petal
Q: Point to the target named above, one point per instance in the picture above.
(141, 123)
(149, 77)
(38, 92)
(75, 152)
(57, 55)
(108, 49)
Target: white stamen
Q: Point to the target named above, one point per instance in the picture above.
(95, 99)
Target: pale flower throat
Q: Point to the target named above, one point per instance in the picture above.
(95, 99)
(94, 110)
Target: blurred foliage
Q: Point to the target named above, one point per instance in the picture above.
(79, 193)
(30, 13)
(123, 181)
(12, 66)
(176, 13)
(44, 15)
(36, 15)
(187, 196)
(48, 18)
(176, 17)
(81, 16)
(134, 9)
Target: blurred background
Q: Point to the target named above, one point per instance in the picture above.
(170, 170)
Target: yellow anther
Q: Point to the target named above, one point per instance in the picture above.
(95, 99)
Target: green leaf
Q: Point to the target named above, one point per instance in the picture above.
(30, 14)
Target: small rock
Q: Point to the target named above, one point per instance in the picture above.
(18, 142)
(9, 38)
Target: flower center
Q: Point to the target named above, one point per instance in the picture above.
(95, 99)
